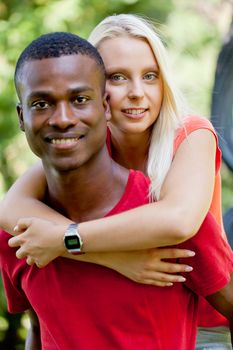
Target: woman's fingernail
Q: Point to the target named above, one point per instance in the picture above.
(181, 279)
(16, 228)
(188, 268)
(190, 253)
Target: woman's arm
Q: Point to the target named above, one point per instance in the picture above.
(185, 199)
(150, 266)
(144, 267)
(44, 243)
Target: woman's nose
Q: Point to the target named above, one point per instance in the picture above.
(136, 90)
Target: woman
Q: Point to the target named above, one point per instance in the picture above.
(149, 131)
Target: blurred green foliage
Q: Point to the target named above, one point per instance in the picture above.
(193, 32)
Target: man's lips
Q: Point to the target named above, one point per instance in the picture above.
(62, 141)
(59, 138)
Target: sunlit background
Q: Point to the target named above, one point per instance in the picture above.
(193, 31)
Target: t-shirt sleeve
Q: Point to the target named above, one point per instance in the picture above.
(11, 271)
(213, 262)
(194, 123)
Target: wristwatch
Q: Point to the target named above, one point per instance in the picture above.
(72, 240)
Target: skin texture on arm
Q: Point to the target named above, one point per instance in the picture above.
(33, 341)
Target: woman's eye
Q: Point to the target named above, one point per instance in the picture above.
(80, 99)
(117, 77)
(40, 105)
(150, 76)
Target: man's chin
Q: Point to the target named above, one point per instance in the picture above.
(61, 166)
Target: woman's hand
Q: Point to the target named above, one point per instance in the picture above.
(41, 241)
(148, 266)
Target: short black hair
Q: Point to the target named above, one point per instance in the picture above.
(54, 45)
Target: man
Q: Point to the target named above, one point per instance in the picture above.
(60, 84)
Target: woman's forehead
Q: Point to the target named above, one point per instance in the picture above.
(125, 51)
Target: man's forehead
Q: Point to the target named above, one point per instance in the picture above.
(67, 75)
(72, 67)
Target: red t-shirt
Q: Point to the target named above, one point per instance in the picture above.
(90, 307)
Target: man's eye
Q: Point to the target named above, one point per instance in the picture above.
(40, 105)
(150, 76)
(80, 99)
(117, 77)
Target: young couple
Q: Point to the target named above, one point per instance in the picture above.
(60, 83)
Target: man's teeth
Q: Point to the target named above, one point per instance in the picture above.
(135, 111)
(62, 141)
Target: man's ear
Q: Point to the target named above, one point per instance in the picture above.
(107, 107)
(19, 109)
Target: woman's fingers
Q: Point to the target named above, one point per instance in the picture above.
(30, 261)
(160, 267)
(174, 253)
(160, 279)
(159, 259)
(169, 267)
(20, 254)
(22, 225)
(15, 241)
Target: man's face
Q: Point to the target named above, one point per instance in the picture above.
(63, 110)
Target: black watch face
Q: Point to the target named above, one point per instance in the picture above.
(72, 242)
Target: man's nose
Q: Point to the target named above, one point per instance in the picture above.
(136, 90)
(63, 116)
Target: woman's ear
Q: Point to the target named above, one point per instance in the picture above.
(107, 107)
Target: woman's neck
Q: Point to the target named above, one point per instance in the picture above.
(130, 151)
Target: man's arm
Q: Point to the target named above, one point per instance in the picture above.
(33, 341)
(222, 301)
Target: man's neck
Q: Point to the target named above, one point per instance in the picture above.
(88, 192)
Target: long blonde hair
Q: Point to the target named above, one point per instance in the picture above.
(173, 106)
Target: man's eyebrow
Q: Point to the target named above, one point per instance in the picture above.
(39, 94)
(79, 89)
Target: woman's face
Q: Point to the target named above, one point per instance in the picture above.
(133, 84)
